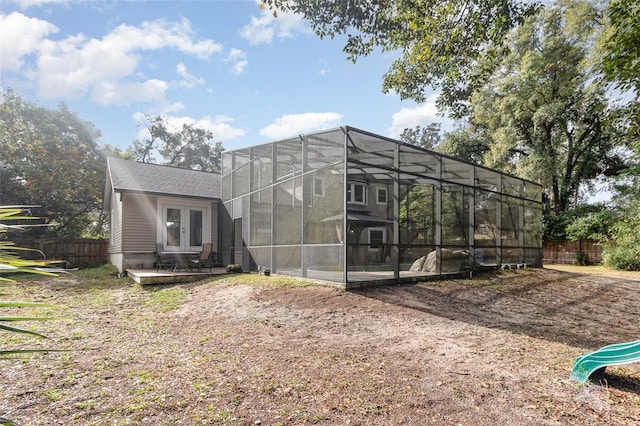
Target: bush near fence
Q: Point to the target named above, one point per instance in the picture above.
(566, 251)
(77, 252)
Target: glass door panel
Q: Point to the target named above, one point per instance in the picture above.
(173, 227)
(185, 228)
(195, 228)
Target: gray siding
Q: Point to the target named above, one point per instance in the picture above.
(115, 222)
(139, 223)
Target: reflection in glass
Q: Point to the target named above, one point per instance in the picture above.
(173, 227)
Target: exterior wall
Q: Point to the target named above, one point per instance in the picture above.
(137, 226)
(115, 231)
(115, 225)
(139, 223)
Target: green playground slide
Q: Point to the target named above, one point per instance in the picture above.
(617, 354)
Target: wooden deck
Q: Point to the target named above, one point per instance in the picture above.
(356, 279)
(151, 276)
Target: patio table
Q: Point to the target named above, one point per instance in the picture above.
(181, 258)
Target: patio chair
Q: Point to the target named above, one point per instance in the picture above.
(162, 261)
(206, 259)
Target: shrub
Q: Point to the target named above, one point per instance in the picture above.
(596, 226)
(622, 251)
(581, 258)
(622, 256)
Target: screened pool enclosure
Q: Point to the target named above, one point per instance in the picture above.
(355, 208)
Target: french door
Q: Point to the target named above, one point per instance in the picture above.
(184, 228)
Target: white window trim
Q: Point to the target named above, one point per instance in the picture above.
(164, 202)
(352, 186)
(386, 195)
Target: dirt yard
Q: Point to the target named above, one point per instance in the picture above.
(241, 350)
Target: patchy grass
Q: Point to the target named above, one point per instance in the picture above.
(263, 281)
(246, 349)
(167, 299)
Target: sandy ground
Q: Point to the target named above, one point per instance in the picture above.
(497, 349)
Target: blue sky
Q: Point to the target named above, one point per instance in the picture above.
(227, 66)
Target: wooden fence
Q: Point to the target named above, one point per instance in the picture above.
(83, 252)
(77, 252)
(566, 251)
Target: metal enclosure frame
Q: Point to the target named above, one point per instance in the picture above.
(355, 208)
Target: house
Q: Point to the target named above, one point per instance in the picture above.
(340, 205)
(149, 203)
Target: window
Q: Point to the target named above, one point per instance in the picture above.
(357, 193)
(318, 187)
(377, 238)
(381, 195)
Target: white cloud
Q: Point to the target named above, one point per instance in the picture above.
(264, 28)
(421, 115)
(259, 31)
(293, 124)
(221, 126)
(21, 36)
(153, 35)
(24, 4)
(107, 68)
(108, 93)
(168, 108)
(238, 60)
(188, 80)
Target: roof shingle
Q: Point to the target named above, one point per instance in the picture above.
(131, 176)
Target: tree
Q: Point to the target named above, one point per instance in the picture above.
(621, 63)
(442, 42)
(467, 144)
(51, 158)
(188, 148)
(426, 137)
(547, 114)
(621, 66)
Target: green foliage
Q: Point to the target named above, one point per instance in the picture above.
(582, 222)
(443, 43)
(167, 299)
(467, 144)
(52, 158)
(596, 226)
(546, 113)
(621, 63)
(426, 137)
(624, 256)
(581, 258)
(622, 251)
(187, 148)
(620, 49)
(11, 263)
